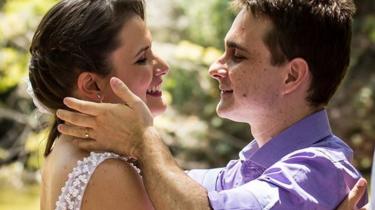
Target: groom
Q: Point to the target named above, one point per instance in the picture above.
(283, 61)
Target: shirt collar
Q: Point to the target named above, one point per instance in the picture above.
(300, 135)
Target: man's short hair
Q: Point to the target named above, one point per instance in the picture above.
(319, 31)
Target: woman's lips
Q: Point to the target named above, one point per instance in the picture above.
(154, 93)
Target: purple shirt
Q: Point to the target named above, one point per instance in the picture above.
(304, 167)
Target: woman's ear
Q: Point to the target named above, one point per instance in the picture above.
(88, 86)
(297, 76)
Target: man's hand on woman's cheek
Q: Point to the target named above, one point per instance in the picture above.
(108, 127)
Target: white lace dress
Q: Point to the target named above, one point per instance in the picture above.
(72, 193)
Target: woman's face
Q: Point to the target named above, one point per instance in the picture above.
(136, 65)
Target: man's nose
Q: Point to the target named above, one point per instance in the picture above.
(218, 70)
(160, 66)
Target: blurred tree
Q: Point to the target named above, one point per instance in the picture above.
(19, 19)
(353, 108)
(208, 21)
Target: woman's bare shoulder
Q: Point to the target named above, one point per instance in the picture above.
(63, 157)
(115, 184)
(55, 170)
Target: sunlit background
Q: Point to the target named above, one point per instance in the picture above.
(189, 35)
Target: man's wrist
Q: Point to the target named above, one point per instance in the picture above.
(153, 152)
(149, 137)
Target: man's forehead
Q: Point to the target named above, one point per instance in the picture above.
(237, 35)
(247, 28)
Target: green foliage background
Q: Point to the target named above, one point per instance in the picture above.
(189, 34)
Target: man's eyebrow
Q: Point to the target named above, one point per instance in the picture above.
(232, 44)
(141, 50)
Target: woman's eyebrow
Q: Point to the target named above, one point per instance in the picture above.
(141, 50)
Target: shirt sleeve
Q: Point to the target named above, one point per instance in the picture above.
(305, 180)
(254, 195)
(205, 177)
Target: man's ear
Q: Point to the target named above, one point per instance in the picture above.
(297, 76)
(88, 86)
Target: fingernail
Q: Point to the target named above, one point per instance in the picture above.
(115, 81)
(58, 113)
(66, 100)
(361, 183)
(59, 127)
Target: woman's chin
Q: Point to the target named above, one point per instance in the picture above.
(156, 111)
(156, 105)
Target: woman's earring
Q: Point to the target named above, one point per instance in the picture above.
(99, 97)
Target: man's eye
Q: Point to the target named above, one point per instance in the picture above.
(237, 58)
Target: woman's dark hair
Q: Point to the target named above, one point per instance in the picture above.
(75, 36)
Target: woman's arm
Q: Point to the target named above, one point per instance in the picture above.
(350, 202)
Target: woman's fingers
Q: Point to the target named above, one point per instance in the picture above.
(357, 192)
(366, 207)
(354, 196)
(86, 107)
(77, 132)
(76, 118)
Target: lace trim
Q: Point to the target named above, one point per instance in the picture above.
(72, 193)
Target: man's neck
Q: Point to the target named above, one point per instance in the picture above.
(266, 127)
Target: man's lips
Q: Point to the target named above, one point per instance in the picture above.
(226, 91)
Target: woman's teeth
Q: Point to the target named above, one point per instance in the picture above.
(153, 90)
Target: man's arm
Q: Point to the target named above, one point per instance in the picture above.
(169, 186)
(131, 132)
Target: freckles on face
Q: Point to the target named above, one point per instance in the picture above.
(250, 74)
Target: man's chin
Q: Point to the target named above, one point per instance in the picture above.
(223, 112)
(230, 114)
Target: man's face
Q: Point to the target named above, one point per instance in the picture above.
(249, 83)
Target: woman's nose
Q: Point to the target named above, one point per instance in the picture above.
(160, 67)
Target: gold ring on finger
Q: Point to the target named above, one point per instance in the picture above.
(87, 133)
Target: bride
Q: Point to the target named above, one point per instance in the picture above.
(78, 46)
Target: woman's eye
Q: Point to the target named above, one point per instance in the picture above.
(142, 61)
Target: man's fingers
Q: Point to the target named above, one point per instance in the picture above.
(75, 131)
(122, 91)
(357, 192)
(86, 107)
(86, 144)
(76, 118)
